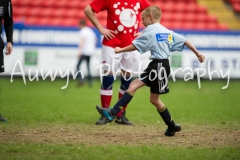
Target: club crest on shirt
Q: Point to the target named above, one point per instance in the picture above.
(162, 37)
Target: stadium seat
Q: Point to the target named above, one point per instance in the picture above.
(179, 7)
(236, 7)
(188, 26)
(176, 14)
(167, 16)
(60, 4)
(21, 11)
(190, 17)
(18, 19)
(199, 26)
(48, 3)
(58, 12)
(69, 22)
(201, 17)
(33, 11)
(34, 3)
(222, 27)
(20, 3)
(31, 20)
(212, 19)
(46, 12)
(84, 4)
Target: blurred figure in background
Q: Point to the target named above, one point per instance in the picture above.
(6, 15)
(87, 46)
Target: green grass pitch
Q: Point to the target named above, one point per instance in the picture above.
(47, 122)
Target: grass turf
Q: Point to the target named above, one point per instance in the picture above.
(45, 104)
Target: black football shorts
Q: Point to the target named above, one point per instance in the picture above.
(156, 75)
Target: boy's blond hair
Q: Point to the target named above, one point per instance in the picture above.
(154, 10)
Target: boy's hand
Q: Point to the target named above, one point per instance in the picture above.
(201, 58)
(117, 50)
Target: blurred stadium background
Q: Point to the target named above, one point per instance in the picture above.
(46, 34)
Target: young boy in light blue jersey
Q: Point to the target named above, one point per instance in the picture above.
(160, 42)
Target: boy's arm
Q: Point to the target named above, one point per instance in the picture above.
(201, 57)
(125, 49)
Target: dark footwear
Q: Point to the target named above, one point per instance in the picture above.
(80, 84)
(123, 120)
(2, 119)
(103, 120)
(106, 113)
(172, 131)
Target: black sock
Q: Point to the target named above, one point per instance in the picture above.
(123, 101)
(166, 117)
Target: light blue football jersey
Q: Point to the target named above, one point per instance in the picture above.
(160, 41)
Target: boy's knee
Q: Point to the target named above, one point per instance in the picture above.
(153, 100)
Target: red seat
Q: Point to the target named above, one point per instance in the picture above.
(223, 27)
(211, 26)
(188, 26)
(169, 6)
(193, 8)
(190, 17)
(179, 7)
(83, 4)
(201, 17)
(67, 22)
(20, 11)
(236, 7)
(33, 11)
(59, 4)
(34, 3)
(31, 20)
(212, 19)
(48, 3)
(78, 4)
(176, 25)
(178, 17)
(20, 2)
(58, 12)
(46, 12)
(167, 16)
(17, 19)
(199, 26)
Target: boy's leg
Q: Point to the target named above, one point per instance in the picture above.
(125, 99)
(121, 116)
(164, 113)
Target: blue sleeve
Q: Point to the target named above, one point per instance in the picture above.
(178, 44)
(142, 43)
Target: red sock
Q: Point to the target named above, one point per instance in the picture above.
(106, 97)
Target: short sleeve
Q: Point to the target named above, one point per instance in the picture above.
(144, 4)
(142, 44)
(99, 5)
(178, 44)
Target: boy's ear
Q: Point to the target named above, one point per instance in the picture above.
(151, 16)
